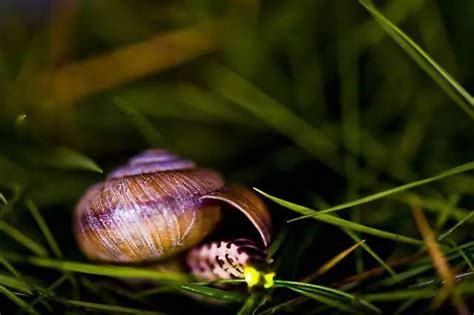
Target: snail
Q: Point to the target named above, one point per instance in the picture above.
(159, 205)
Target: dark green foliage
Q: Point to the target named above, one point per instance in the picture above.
(342, 115)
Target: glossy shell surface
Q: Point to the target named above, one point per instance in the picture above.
(147, 210)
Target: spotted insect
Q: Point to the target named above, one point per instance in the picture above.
(234, 259)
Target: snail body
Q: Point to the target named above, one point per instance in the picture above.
(158, 205)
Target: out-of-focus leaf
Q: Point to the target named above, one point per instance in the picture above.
(431, 67)
(62, 157)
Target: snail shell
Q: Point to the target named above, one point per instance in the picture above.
(157, 205)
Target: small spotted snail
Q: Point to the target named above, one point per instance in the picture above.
(159, 205)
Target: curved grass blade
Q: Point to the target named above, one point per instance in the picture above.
(22, 239)
(62, 157)
(327, 292)
(237, 89)
(394, 295)
(102, 270)
(339, 305)
(44, 228)
(341, 222)
(15, 283)
(114, 309)
(212, 292)
(457, 93)
(18, 301)
(456, 170)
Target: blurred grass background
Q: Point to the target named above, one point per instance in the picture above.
(310, 101)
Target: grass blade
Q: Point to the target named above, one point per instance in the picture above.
(341, 222)
(44, 228)
(62, 157)
(372, 253)
(114, 309)
(241, 92)
(22, 239)
(457, 93)
(332, 262)
(18, 301)
(439, 261)
(252, 304)
(445, 234)
(212, 292)
(326, 291)
(102, 270)
(322, 299)
(15, 283)
(456, 170)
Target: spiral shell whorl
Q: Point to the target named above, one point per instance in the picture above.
(152, 161)
(148, 209)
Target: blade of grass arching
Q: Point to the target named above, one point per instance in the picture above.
(457, 93)
(341, 222)
(439, 261)
(212, 292)
(372, 253)
(101, 270)
(339, 305)
(113, 309)
(451, 230)
(241, 92)
(18, 301)
(331, 263)
(15, 283)
(334, 293)
(152, 136)
(103, 71)
(326, 292)
(252, 304)
(65, 158)
(22, 239)
(453, 171)
(44, 228)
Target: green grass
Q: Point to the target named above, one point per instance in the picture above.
(313, 103)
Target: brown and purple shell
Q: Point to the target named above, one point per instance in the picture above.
(156, 205)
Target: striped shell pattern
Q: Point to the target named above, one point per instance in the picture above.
(158, 205)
